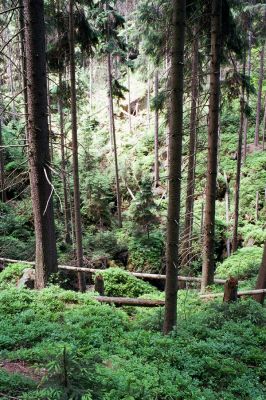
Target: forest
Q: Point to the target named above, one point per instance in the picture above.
(132, 200)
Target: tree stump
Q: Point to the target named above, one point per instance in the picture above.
(230, 289)
(99, 284)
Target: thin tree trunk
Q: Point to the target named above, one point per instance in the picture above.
(148, 100)
(78, 227)
(245, 129)
(264, 127)
(129, 101)
(239, 159)
(257, 127)
(214, 102)
(2, 165)
(257, 206)
(38, 154)
(156, 131)
(67, 217)
(24, 65)
(261, 281)
(187, 236)
(113, 135)
(227, 210)
(175, 160)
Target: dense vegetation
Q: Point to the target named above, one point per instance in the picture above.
(104, 191)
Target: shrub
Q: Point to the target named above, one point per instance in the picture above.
(243, 264)
(121, 283)
(11, 274)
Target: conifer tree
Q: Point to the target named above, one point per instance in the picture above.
(175, 159)
(38, 152)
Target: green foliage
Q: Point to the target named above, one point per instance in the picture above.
(243, 264)
(11, 274)
(216, 351)
(118, 282)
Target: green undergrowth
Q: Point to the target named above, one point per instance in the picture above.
(87, 350)
(243, 264)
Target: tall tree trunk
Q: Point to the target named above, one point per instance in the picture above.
(113, 135)
(156, 131)
(264, 127)
(239, 159)
(24, 65)
(245, 129)
(2, 165)
(175, 160)
(38, 154)
(213, 128)
(227, 211)
(78, 227)
(67, 216)
(187, 236)
(257, 127)
(261, 281)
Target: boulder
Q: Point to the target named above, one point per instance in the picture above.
(27, 279)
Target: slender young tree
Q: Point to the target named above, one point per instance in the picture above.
(156, 131)
(175, 159)
(187, 236)
(261, 281)
(112, 129)
(38, 154)
(239, 160)
(213, 128)
(245, 128)
(261, 76)
(2, 165)
(23, 62)
(78, 227)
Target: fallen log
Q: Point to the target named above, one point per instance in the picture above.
(239, 294)
(141, 275)
(129, 301)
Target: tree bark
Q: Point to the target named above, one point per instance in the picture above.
(227, 211)
(214, 103)
(261, 281)
(175, 160)
(264, 127)
(187, 236)
(156, 131)
(78, 227)
(2, 165)
(230, 290)
(129, 301)
(239, 160)
(257, 127)
(113, 136)
(245, 129)
(67, 216)
(24, 65)
(38, 154)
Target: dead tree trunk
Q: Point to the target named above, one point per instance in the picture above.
(187, 236)
(78, 227)
(261, 281)
(230, 290)
(38, 154)
(257, 127)
(175, 159)
(156, 130)
(213, 128)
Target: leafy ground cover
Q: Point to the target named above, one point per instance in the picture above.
(80, 349)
